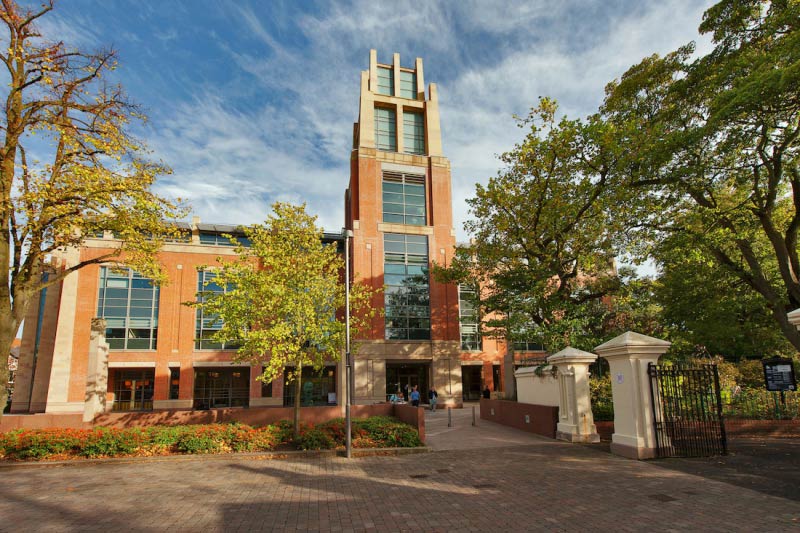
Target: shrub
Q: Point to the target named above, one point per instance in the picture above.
(384, 432)
(602, 402)
(111, 442)
(38, 444)
(314, 439)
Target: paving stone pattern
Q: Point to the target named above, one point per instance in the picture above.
(541, 485)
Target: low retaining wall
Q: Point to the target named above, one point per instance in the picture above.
(762, 428)
(254, 416)
(734, 427)
(539, 419)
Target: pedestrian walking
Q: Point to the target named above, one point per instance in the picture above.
(415, 397)
(432, 397)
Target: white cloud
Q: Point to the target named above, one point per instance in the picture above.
(492, 61)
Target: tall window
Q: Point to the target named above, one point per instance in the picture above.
(386, 81)
(468, 318)
(413, 133)
(403, 198)
(208, 324)
(129, 303)
(385, 129)
(408, 84)
(407, 295)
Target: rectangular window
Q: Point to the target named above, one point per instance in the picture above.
(527, 346)
(386, 81)
(408, 85)
(413, 133)
(403, 198)
(407, 293)
(221, 387)
(174, 383)
(385, 129)
(133, 390)
(468, 318)
(207, 324)
(217, 239)
(129, 304)
(266, 387)
(317, 387)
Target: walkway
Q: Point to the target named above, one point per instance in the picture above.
(533, 485)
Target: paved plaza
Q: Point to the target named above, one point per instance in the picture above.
(483, 478)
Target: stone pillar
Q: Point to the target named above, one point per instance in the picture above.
(794, 318)
(575, 420)
(628, 356)
(96, 372)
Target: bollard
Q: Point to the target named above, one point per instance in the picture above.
(473, 415)
(449, 417)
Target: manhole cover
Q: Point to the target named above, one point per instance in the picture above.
(418, 476)
(663, 498)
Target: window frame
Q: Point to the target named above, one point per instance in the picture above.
(106, 310)
(399, 203)
(406, 303)
(389, 132)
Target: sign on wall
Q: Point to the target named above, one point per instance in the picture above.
(779, 374)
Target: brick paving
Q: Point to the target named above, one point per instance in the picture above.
(470, 482)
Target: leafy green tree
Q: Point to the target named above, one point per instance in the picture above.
(89, 174)
(709, 310)
(285, 299)
(712, 145)
(543, 233)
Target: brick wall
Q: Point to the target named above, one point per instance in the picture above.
(539, 419)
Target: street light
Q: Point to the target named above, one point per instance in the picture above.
(348, 362)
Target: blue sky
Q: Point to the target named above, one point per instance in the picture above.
(253, 102)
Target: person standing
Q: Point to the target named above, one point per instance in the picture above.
(486, 392)
(432, 397)
(415, 397)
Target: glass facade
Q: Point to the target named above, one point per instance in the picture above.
(413, 133)
(129, 304)
(206, 324)
(385, 129)
(318, 387)
(386, 81)
(408, 84)
(407, 292)
(468, 318)
(403, 198)
(221, 387)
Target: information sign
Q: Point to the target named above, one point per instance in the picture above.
(779, 374)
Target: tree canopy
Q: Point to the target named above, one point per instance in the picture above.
(544, 232)
(712, 147)
(285, 298)
(69, 167)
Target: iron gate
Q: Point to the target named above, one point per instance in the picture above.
(687, 411)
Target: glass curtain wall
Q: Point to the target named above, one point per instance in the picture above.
(407, 293)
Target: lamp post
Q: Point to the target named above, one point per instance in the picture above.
(348, 361)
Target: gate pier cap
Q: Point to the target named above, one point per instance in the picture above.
(628, 356)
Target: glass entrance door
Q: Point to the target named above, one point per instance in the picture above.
(401, 378)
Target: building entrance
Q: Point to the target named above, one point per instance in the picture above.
(401, 378)
(471, 381)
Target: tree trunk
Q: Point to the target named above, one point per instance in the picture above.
(8, 331)
(297, 396)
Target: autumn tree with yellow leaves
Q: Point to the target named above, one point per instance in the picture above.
(68, 168)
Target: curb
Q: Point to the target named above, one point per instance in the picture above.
(241, 456)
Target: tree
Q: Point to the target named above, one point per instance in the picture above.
(284, 299)
(88, 174)
(708, 310)
(543, 232)
(713, 147)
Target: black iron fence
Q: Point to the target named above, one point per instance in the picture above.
(687, 411)
(760, 404)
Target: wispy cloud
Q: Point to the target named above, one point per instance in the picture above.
(254, 102)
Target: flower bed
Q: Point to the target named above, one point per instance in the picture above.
(375, 432)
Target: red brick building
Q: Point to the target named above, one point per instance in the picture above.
(399, 208)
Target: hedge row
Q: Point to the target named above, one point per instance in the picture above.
(375, 432)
